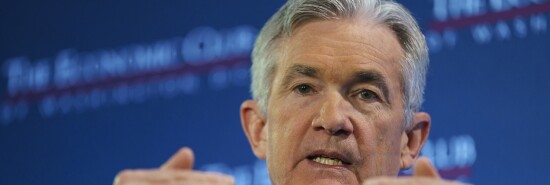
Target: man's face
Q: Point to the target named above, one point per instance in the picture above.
(335, 113)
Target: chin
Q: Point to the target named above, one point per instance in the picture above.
(320, 177)
(332, 182)
(323, 181)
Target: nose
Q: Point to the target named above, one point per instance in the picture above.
(333, 116)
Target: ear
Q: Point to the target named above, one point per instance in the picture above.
(413, 139)
(254, 126)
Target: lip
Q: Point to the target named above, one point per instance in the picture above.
(346, 160)
(318, 173)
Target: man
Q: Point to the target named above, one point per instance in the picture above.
(337, 87)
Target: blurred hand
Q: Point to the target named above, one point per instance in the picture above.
(177, 170)
(424, 173)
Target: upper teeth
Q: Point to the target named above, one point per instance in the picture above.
(327, 161)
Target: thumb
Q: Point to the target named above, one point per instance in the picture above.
(183, 160)
(425, 168)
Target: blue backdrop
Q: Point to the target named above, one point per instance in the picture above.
(91, 88)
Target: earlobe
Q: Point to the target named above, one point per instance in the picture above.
(253, 123)
(413, 139)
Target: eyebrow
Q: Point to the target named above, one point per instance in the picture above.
(365, 76)
(299, 70)
(373, 77)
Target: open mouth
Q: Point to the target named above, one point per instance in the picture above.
(330, 159)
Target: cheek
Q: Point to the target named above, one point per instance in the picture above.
(286, 124)
(388, 131)
(379, 140)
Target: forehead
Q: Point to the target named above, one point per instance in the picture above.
(344, 45)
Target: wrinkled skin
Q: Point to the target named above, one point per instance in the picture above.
(336, 92)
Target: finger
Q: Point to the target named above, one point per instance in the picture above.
(183, 159)
(165, 177)
(424, 168)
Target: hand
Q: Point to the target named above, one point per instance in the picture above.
(424, 173)
(177, 170)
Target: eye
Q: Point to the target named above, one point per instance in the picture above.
(303, 89)
(366, 94)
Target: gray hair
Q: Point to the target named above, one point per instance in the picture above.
(296, 12)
